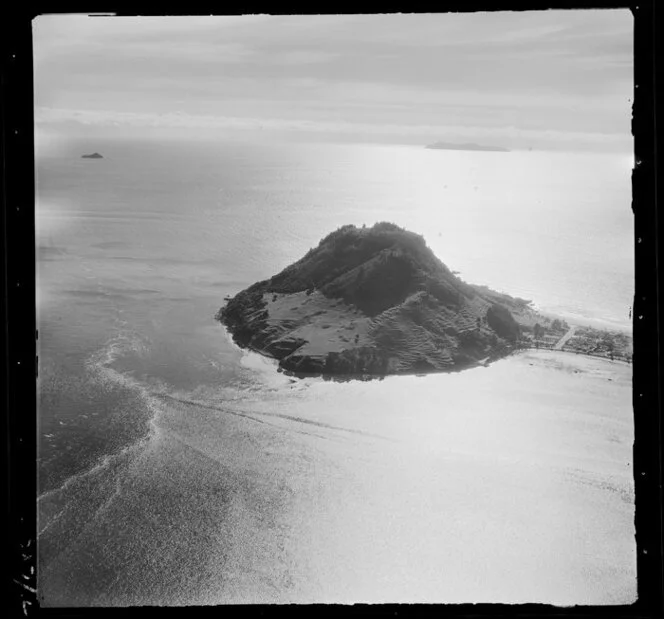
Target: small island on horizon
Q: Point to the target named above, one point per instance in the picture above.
(374, 301)
(92, 156)
(466, 146)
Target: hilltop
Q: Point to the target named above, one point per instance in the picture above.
(370, 302)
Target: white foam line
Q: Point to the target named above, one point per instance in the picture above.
(102, 463)
(98, 364)
(105, 461)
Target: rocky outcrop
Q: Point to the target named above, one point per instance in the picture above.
(372, 302)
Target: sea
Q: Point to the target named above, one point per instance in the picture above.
(176, 469)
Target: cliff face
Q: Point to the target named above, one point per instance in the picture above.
(371, 302)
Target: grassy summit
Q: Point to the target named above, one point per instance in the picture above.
(372, 301)
(372, 268)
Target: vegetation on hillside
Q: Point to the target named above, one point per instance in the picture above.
(423, 316)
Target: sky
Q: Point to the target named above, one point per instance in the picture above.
(560, 80)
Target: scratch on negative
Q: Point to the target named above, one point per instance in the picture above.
(30, 589)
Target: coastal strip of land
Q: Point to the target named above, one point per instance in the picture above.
(370, 302)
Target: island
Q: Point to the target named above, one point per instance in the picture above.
(373, 301)
(92, 156)
(467, 146)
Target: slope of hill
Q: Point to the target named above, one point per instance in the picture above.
(370, 302)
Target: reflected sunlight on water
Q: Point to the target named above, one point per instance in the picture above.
(195, 473)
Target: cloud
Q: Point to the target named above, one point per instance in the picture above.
(299, 57)
(565, 71)
(49, 117)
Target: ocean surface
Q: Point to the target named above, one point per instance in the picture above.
(175, 468)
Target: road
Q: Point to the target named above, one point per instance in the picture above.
(563, 340)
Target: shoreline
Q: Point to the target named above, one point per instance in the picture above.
(341, 378)
(585, 321)
(571, 352)
(345, 377)
(485, 362)
(372, 302)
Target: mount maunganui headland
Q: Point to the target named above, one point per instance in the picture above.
(372, 302)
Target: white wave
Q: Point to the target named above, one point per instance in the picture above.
(265, 368)
(99, 368)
